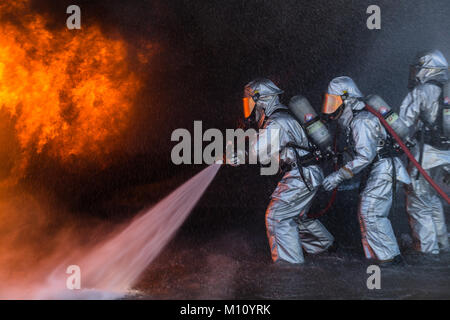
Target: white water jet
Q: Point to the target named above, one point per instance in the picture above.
(111, 268)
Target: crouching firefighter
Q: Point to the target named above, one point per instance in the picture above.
(426, 111)
(373, 150)
(289, 230)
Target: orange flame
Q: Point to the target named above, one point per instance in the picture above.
(68, 92)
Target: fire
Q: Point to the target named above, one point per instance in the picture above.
(69, 94)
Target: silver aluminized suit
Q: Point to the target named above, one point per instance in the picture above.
(425, 210)
(368, 137)
(288, 227)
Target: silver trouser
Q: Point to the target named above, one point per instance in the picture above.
(377, 235)
(288, 229)
(426, 214)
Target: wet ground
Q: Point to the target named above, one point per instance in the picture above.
(221, 252)
(212, 274)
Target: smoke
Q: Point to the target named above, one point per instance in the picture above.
(69, 95)
(407, 29)
(32, 234)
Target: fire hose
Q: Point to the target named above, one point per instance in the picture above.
(408, 153)
(327, 208)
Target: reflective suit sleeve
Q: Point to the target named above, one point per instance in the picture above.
(420, 104)
(410, 110)
(365, 133)
(268, 142)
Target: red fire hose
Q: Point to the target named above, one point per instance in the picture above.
(408, 153)
(328, 207)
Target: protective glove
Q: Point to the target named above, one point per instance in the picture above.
(237, 158)
(334, 180)
(234, 160)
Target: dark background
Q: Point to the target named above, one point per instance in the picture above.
(209, 51)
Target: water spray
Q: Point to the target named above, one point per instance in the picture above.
(110, 268)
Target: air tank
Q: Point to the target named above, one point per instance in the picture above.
(391, 117)
(309, 119)
(446, 110)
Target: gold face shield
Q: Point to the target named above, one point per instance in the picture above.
(331, 104)
(249, 105)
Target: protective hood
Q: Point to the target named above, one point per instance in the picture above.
(350, 104)
(263, 94)
(342, 93)
(430, 66)
(270, 105)
(344, 85)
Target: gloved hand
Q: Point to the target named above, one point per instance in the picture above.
(334, 180)
(234, 160)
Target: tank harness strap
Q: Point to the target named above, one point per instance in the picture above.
(394, 187)
(300, 161)
(434, 134)
(300, 169)
(421, 149)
